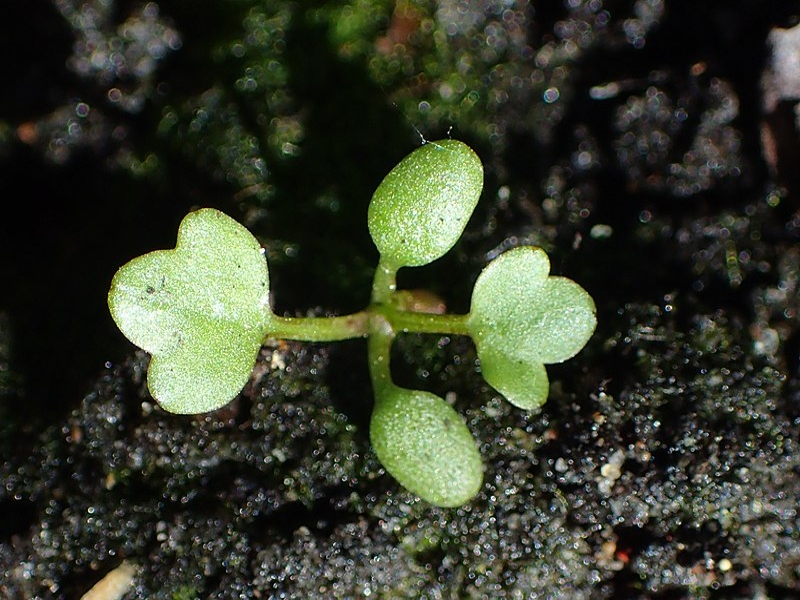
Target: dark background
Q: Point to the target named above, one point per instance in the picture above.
(69, 222)
(631, 139)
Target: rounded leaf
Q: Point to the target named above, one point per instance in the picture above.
(524, 384)
(201, 310)
(422, 206)
(426, 446)
(521, 318)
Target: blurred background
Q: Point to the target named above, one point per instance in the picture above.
(118, 117)
(650, 146)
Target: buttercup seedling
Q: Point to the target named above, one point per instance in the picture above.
(202, 311)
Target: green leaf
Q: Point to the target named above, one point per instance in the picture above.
(426, 446)
(521, 319)
(201, 310)
(421, 207)
(524, 384)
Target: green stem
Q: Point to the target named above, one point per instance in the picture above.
(320, 329)
(384, 284)
(334, 329)
(381, 320)
(418, 322)
(379, 346)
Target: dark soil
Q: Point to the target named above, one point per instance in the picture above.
(649, 146)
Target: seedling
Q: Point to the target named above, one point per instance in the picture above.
(202, 311)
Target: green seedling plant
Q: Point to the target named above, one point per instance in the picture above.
(202, 311)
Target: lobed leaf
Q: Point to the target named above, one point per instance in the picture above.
(521, 319)
(523, 383)
(201, 310)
